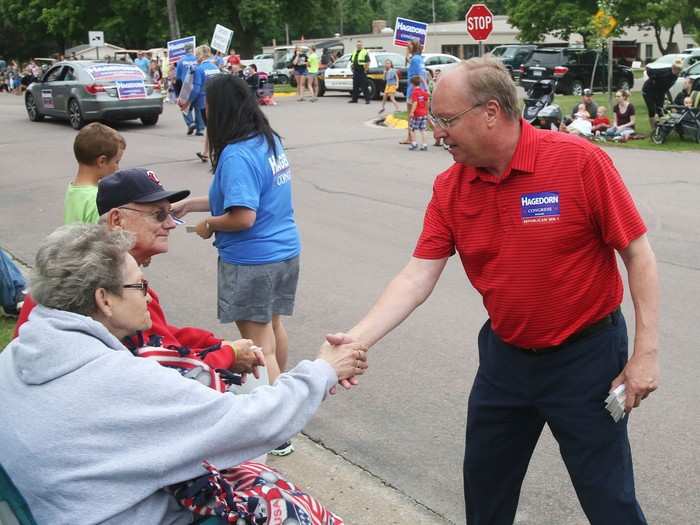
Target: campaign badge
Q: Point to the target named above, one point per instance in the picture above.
(539, 207)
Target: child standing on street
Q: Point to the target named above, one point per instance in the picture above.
(391, 84)
(418, 117)
(98, 150)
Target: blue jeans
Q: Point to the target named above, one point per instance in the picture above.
(188, 118)
(12, 283)
(516, 392)
(199, 122)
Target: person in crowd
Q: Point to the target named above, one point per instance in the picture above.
(12, 286)
(624, 117)
(359, 63)
(234, 62)
(3, 64)
(204, 70)
(312, 73)
(656, 87)
(185, 66)
(300, 66)
(252, 220)
(155, 73)
(252, 78)
(601, 122)
(142, 62)
(685, 92)
(116, 431)
(416, 67)
(134, 200)
(549, 357)
(98, 149)
(581, 124)
(27, 79)
(418, 115)
(219, 60)
(391, 85)
(587, 100)
(3, 83)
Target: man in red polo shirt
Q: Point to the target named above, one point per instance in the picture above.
(536, 218)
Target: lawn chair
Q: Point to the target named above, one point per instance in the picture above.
(13, 508)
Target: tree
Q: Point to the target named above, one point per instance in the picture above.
(535, 18)
(662, 14)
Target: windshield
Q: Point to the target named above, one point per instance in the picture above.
(668, 59)
(504, 52)
(283, 56)
(545, 58)
(396, 59)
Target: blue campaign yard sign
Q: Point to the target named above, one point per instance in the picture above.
(406, 30)
(177, 48)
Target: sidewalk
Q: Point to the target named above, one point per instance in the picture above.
(349, 491)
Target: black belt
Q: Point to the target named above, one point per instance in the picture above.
(586, 331)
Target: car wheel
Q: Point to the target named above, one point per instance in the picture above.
(32, 109)
(282, 79)
(321, 88)
(75, 115)
(576, 88)
(150, 120)
(372, 90)
(658, 136)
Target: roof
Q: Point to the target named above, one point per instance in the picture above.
(82, 48)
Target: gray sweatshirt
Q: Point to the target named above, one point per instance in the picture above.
(91, 434)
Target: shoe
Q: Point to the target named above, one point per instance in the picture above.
(366, 101)
(413, 147)
(314, 99)
(404, 141)
(199, 134)
(203, 157)
(190, 130)
(352, 101)
(437, 144)
(381, 111)
(300, 99)
(424, 147)
(283, 450)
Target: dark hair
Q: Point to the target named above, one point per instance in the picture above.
(233, 115)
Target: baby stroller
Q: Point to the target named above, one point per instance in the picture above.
(265, 90)
(684, 120)
(539, 109)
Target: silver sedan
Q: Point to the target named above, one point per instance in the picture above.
(82, 91)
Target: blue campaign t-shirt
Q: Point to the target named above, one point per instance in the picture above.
(199, 83)
(249, 174)
(183, 65)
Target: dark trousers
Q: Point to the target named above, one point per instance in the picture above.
(515, 393)
(359, 82)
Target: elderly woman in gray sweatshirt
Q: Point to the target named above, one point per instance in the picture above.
(92, 434)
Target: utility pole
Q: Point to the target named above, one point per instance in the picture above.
(286, 32)
(172, 19)
(340, 7)
(433, 11)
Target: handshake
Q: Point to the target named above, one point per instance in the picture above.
(348, 358)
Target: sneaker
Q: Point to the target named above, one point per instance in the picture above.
(190, 130)
(413, 147)
(202, 157)
(366, 101)
(199, 134)
(352, 101)
(381, 111)
(424, 147)
(283, 450)
(300, 99)
(314, 99)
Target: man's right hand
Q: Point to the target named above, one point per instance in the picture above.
(341, 338)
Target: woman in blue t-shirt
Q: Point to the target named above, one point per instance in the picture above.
(252, 219)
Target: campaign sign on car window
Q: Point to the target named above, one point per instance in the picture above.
(47, 98)
(130, 89)
(113, 72)
(406, 30)
(180, 47)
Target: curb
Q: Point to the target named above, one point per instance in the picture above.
(397, 123)
(348, 490)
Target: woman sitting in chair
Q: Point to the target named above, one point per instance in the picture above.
(90, 433)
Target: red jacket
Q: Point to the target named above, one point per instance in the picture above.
(198, 343)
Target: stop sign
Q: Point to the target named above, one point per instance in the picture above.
(479, 22)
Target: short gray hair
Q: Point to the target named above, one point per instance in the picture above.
(74, 261)
(488, 79)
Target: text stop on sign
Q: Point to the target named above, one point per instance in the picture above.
(479, 22)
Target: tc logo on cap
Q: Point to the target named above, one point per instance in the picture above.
(152, 175)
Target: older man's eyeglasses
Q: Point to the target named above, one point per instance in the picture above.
(159, 215)
(446, 122)
(143, 286)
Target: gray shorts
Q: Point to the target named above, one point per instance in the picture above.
(256, 292)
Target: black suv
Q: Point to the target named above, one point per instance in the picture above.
(573, 68)
(513, 56)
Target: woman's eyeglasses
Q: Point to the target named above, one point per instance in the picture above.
(143, 286)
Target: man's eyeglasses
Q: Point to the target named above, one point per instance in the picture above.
(160, 215)
(446, 122)
(143, 286)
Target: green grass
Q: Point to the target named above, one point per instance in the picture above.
(7, 326)
(673, 143)
(284, 88)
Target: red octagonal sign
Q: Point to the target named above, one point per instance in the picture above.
(479, 22)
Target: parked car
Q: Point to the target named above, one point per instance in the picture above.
(513, 56)
(439, 62)
(85, 90)
(574, 70)
(692, 72)
(689, 57)
(338, 77)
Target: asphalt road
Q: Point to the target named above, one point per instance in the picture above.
(359, 200)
